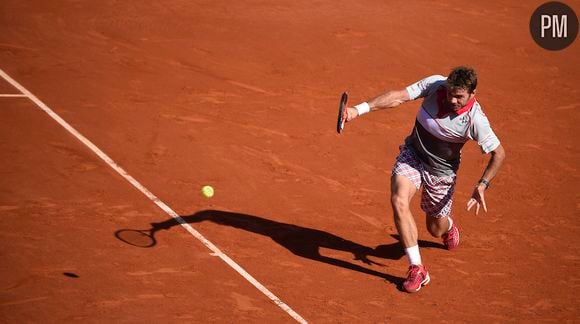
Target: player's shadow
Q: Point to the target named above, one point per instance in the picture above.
(303, 241)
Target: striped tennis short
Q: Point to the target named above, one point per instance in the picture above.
(437, 194)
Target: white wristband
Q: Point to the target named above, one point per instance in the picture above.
(362, 108)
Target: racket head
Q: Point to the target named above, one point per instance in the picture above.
(138, 238)
(341, 113)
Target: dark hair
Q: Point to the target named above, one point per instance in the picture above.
(463, 77)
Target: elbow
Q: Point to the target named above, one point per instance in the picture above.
(499, 153)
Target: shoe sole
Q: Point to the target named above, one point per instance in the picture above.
(423, 283)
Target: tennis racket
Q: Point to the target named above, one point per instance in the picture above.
(341, 113)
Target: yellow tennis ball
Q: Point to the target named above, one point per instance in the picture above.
(207, 191)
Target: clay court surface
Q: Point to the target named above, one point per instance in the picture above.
(243, 96)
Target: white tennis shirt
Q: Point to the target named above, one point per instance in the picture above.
(439, 134)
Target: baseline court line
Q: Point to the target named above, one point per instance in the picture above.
(215, 250)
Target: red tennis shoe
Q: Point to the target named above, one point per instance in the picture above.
(417, 277)
(451, 238)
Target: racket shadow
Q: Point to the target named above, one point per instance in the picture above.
(143, 238)
(301, 241)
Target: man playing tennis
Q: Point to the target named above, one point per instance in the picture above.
(449, 116)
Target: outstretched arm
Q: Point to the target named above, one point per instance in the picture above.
(389, 99)
(495, 162)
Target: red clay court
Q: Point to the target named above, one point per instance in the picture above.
(243, 96)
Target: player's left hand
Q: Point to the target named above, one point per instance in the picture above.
(477, 199)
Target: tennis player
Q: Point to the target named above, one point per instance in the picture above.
(429, 158)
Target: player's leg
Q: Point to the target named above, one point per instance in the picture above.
(402, 191)
(405, 182)
(445, 228)
(436, 201)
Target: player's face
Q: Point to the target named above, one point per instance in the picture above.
(458, 97)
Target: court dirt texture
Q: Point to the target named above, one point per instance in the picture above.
(242, 96)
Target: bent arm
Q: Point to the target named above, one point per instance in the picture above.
(494, 164)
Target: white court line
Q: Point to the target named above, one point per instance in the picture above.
(13, 95)
(153, 198)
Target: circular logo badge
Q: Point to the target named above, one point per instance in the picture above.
(554, 26)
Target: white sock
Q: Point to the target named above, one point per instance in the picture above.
(413, 255)
(450, 223)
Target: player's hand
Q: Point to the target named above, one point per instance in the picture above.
(477, 199)
(351, 114)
